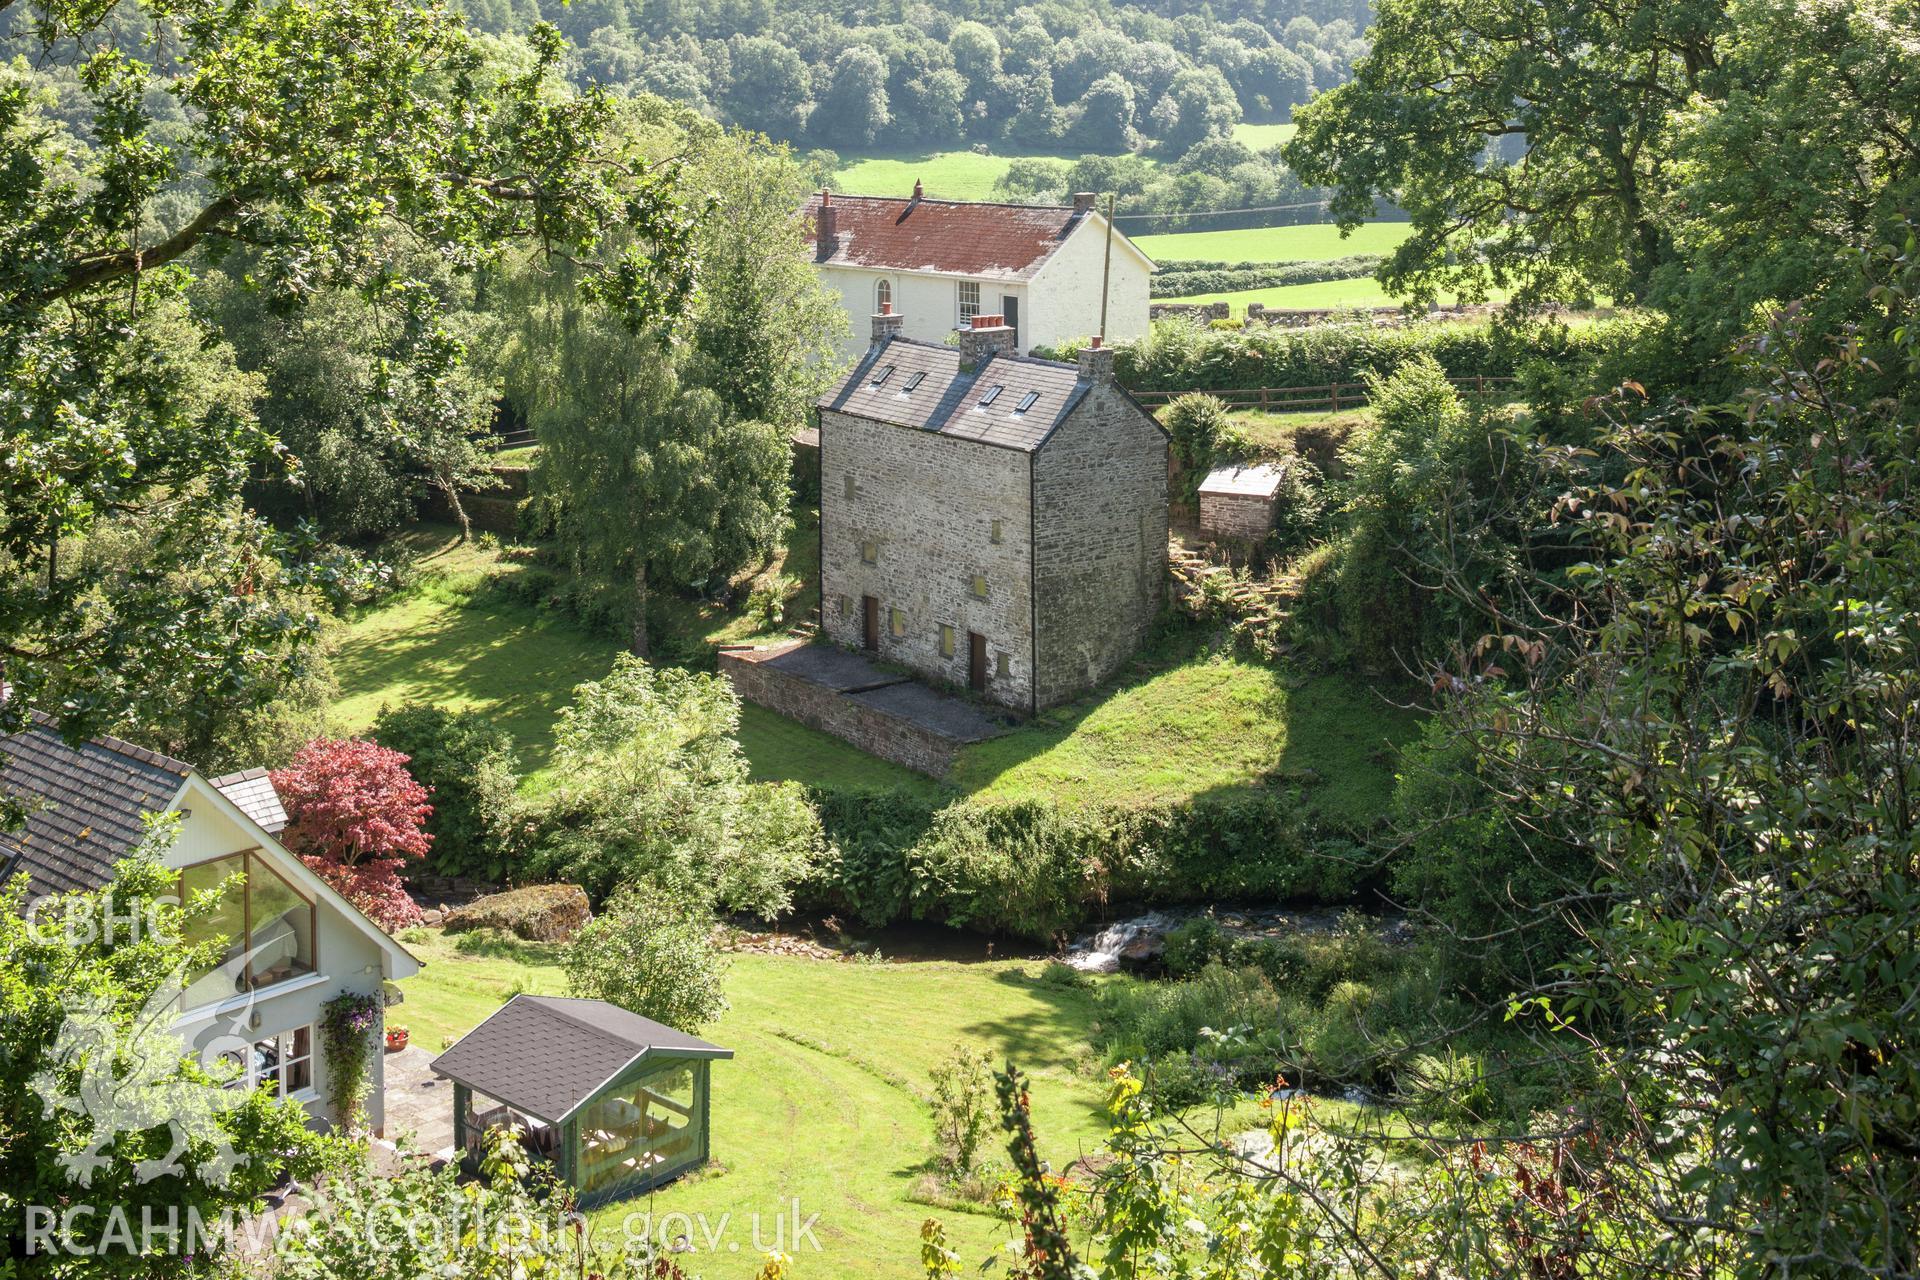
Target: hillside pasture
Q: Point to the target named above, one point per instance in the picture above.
(945, 175)
(1262, 136)
(1306, 242)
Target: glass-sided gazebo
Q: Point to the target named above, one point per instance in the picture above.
(619, 1103)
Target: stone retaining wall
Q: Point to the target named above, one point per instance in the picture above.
(876, 732)
(495, 510)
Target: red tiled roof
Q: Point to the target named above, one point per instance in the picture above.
(1006, 241)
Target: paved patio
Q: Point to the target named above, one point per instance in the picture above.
(884, 713)
(419, 1104)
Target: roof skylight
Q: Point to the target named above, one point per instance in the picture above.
(919, 376)
(886, 372)
(993, 393)
(1027, 402)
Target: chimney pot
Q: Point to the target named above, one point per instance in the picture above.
(917, 192)
(1096, 362)
(1083, 201)
(987, 335)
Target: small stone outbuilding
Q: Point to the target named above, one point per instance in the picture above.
(988, 520)
(1237, 502)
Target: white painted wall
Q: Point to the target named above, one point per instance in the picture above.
(928, 305)
(1066, 289)
(347, 957)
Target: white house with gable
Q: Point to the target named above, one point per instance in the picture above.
(939, 263)
(291, 943)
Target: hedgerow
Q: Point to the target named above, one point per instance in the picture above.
(1038, 869)
(1186, 279)
(1178, 355)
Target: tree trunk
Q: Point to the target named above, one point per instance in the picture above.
(459, 510)
(639, 644)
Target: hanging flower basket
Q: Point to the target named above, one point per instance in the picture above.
(396, 1039)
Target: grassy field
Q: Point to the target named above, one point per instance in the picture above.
(822, 1103)
(1262, 136)
(946, 175)
(1180, 722)
(1363, 292)
(1198, 725)
(1311, 242)
(444, 641)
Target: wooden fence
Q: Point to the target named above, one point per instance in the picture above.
(1332, 397)
(501, 442)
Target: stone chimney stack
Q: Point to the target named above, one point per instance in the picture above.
(886, 323)
(987, 335)
(826, 227)
(1096, 362)
(1083, 201)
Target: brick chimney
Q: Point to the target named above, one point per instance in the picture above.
(1096, 362)
(826, 227)
(886, 323)
(1083, 201)
(987, 335)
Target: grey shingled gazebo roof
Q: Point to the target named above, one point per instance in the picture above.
(545, 1055)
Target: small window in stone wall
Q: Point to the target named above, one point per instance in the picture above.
(980, 586)
(946, 641)
(842, 604)
(870, 553)
(1003, 665)
(897, 623)
(849, 480)
(996, 532)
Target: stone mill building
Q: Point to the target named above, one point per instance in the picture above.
(988, 520)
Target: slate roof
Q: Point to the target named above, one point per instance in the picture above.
(87, 800)
(1261, 481)
(951, 237)
(949, 401)
(252, 793)
(546, 1055)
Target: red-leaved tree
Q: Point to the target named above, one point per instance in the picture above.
(354, 815)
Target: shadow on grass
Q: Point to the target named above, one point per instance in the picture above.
(1175, 725)
(498, 945)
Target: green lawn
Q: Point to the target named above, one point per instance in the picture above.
(1312, 242)
(1200, 724)
(822, 1102)
(945, 175)
(1179, 723)
(442, 641)
(1262, 136)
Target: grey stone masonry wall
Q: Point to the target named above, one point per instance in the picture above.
(927, 503)
(1100, 519)
(869, 728)
(1240, 516)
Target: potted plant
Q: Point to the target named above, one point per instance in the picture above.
(396, 1039)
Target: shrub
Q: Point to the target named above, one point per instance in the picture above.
(1036, 868)
(1203, 435)
(1186, 279)
(1192, 945)
(1156, 1018)
(656, 787)
(356, 816)
(1178, 355)
(652, 952)
(467, 764)
(962, 1107)
(1299, 507)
